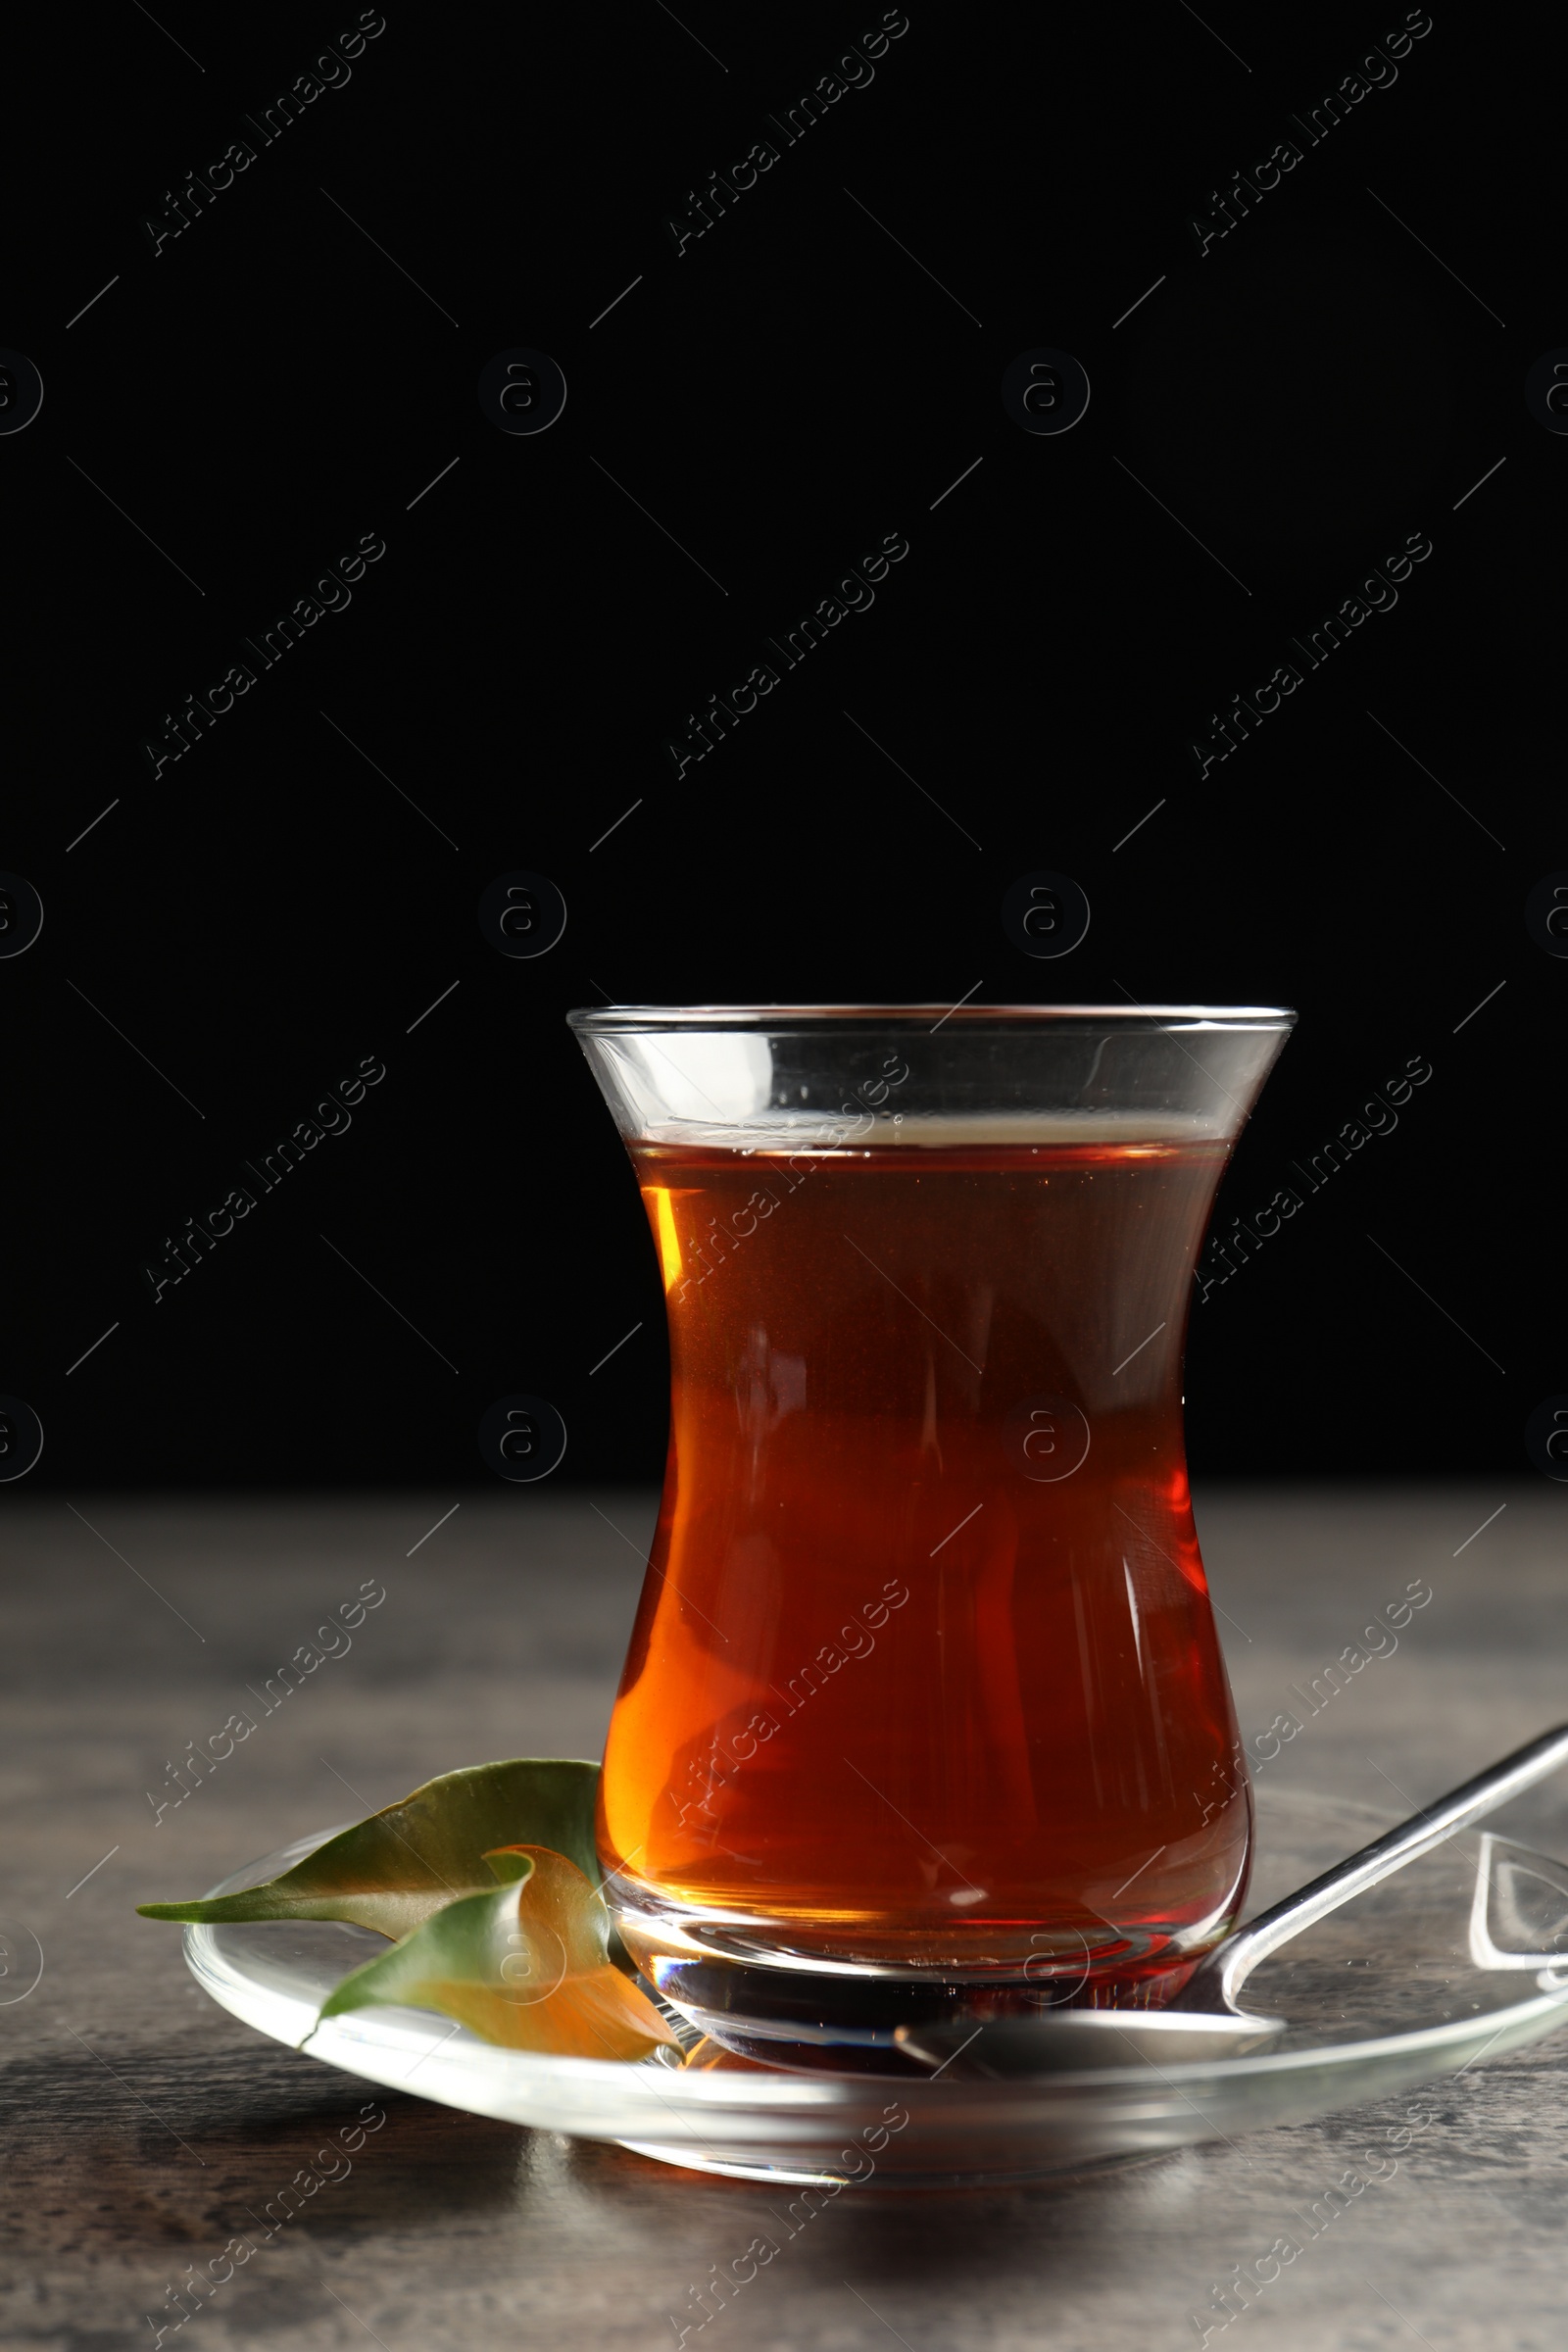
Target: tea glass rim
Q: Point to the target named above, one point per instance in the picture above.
(635, 1020)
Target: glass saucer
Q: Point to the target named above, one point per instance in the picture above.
(1399, 1988)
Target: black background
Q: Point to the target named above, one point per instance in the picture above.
(791, 388)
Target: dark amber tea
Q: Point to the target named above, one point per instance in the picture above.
(924, 1684)
(924, 1664)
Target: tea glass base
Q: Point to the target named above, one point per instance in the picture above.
(744, 1987)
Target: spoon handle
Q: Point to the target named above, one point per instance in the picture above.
(1220, 1976)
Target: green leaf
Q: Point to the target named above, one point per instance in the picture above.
(524, 1965)
(455, 1835)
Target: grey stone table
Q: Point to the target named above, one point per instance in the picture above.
(142, 2124)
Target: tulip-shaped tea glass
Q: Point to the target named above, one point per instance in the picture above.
(924, 1713)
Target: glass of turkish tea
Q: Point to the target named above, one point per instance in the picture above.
(924, 1710)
